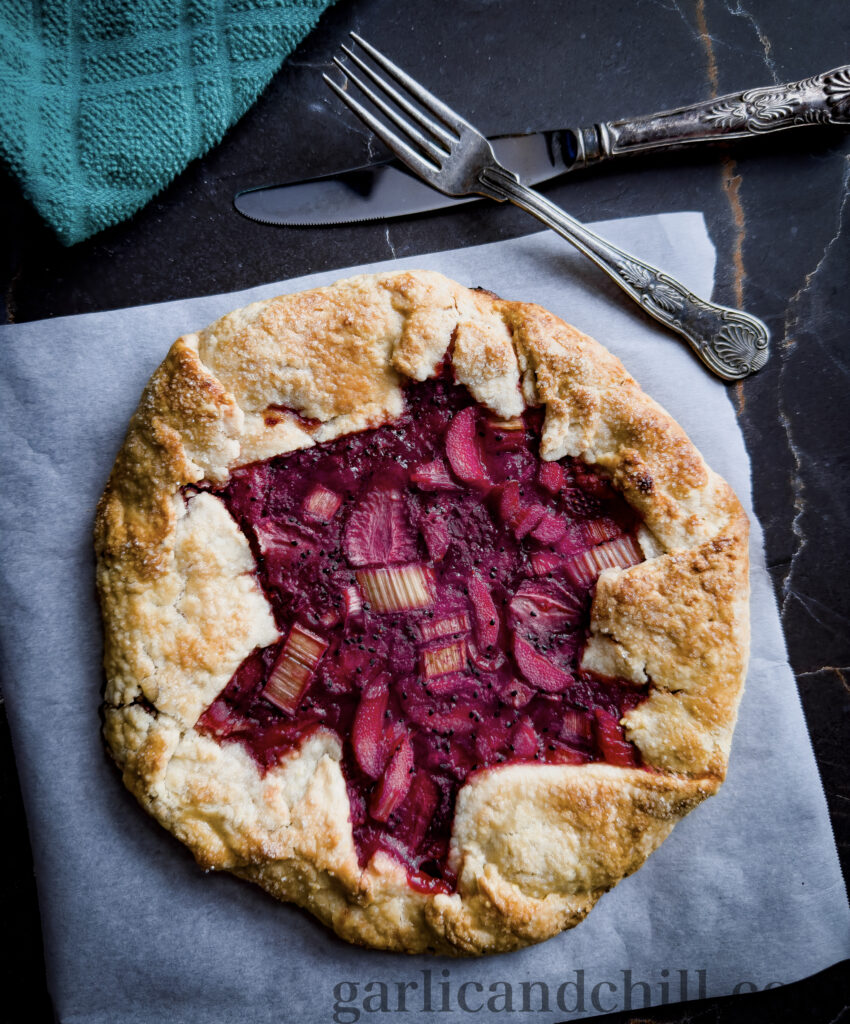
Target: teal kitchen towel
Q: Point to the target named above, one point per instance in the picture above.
(104, 102)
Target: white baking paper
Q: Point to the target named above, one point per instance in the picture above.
(747, 891)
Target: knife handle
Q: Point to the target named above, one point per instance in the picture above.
(822, 99)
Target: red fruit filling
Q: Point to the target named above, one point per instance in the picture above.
(431, 580)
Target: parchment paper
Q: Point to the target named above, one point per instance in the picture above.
(746, 892)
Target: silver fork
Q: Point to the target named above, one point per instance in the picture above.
(445, 150)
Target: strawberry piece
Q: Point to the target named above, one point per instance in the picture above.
(491, 740)
(457, 721)
(436, 534)
(322, 504)
(367, 729)
(509, 502)
(491, 663)
(286, 550)
(453, 684)
(422, 801)
(294, 668)
(572, 543)
(527, 519)
(377, 532)
(462, 449)
(551, 476)
(433, 476)
(550, 529)
(516, 693)
(611, 739)
(544, 606)
(486, 616)
(539, 671)
(394, 786)
(524, 738)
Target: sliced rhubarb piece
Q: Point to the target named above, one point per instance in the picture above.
(486, 616)
(433, 629)
(329, 618)
(398, 588)
(377, 532)
(440, 661)
(353, 602)
(367, 729)
(539, 671)
(550, 529)
(597, 531)
(544, 562)
(545, 606)
(551, 476)
(294, 668)
(436, 535)
(509, 426)
(462, 449)
(576, 726)
(524, 738)
(566, 755)
(433, 476)
(614, 554)
(322, 504)
(395, 783)
(611, 739)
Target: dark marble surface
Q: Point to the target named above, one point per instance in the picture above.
(777, 211)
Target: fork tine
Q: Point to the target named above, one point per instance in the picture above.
(390, 139)
(400, 101)
(407, 129)
(427, 99)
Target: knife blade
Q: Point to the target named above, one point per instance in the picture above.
(388, 190)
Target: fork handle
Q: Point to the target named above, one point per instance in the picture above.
(731, 343)
(822, 99)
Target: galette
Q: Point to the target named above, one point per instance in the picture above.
(418, 612)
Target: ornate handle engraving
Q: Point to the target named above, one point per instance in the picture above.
(822, 99)
(731, 343)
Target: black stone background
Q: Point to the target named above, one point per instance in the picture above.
(777, 211)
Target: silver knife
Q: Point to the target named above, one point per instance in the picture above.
(386, 189)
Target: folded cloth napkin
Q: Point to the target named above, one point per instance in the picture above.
(103, 102)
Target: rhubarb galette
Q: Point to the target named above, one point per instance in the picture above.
(419, 612)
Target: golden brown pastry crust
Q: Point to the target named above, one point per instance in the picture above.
(534, 846)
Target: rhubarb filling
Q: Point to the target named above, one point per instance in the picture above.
(431, 580)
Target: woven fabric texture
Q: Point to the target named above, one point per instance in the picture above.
(103, 102)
